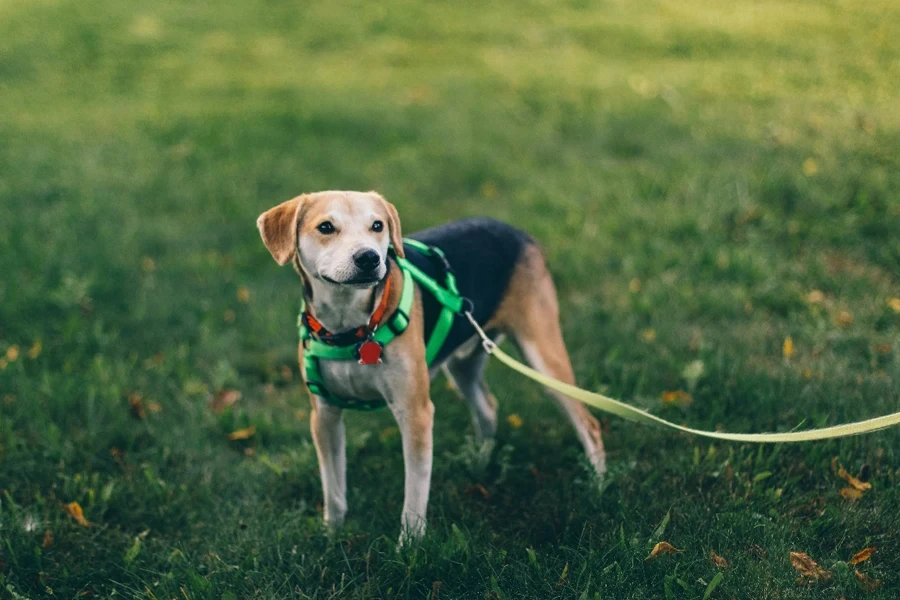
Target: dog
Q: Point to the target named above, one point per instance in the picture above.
(345, 247)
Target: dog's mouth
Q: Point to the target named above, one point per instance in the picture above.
(357, 282)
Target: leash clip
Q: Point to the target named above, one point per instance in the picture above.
(486, 342)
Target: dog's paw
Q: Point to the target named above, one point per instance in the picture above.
(412, 533)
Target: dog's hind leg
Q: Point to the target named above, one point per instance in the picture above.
(467, 374)
(530, 312)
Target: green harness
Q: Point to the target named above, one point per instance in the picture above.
(315, 350)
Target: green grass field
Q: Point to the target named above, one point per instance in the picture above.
(706, 179)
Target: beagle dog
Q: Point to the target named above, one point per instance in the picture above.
(344, 246)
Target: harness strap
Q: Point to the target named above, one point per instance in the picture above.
(449, 298)
(385, 334)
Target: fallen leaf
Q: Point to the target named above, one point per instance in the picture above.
(882, 348)
(514, 420)
(634, 286)
(48, 539)
(815, 297)
(861, 556)
(73, 509)
(894, 304)
(660, 549)
(648, 335)
(136, 404)
(12, 353)
(868, 584)
(223, 399)
(787, 348)
(851, 494)
(810, 167)
(156, 360)
(678, 396)
(243, 295)
(718, 560)
(35, 350)
(844, 319)
(242, 434)
(472, 489)
(862, 486)
(808, 567)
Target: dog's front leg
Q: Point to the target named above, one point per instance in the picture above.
(414, 412)
(327, 427)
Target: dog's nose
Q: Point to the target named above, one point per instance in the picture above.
(367, 260)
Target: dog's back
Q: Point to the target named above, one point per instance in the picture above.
(483, 254)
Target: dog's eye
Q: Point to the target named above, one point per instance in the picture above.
(377, 226)
(325, 228)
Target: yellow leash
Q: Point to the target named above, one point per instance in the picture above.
(631, 413)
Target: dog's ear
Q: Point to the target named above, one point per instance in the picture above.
(278, 228)
(394, 228)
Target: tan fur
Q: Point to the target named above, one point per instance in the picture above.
(278, 228)
(530, 313)
(281, 226)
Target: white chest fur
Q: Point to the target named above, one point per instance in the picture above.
(349, 379)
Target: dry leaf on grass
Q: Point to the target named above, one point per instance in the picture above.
(862, 486)
(867, 583)
(73, 509)
(787, 348)
(808, 567)
(136, 405)
(48, 539)
(861, 556)
(242, 434)
(680, 397)
(718, 560)
(477, 489)
(223, 399)
(660, 549)
(844, 319)
(815, 297)
(851, 494)
(514, 420)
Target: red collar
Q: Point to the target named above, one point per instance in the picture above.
(359, 334)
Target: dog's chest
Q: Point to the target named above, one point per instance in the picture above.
(349, 379)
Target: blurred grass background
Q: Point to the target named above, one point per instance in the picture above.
(707, 181)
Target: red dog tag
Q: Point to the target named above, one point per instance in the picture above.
(369, 352)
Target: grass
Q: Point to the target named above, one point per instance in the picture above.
(694, 172)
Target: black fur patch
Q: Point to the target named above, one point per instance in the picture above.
(483, 253)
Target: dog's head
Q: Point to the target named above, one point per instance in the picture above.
(338, 237)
